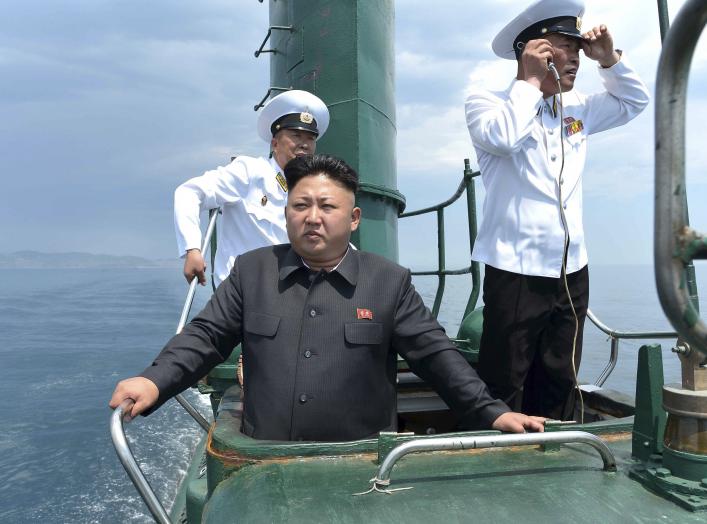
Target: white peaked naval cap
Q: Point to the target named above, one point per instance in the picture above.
(538, 19)
(293, 109)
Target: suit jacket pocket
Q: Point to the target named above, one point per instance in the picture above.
(363, 333)
(262, 324)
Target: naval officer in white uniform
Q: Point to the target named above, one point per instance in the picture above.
(531, 145)
(251, 192)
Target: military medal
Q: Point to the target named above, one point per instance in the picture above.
(573, 126)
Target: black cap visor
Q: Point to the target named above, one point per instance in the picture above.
(300, 121)
(563, 25)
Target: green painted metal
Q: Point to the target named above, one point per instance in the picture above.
(686, 493)
(689, 466)
(663, 18)
(693, 246)
(191, 497)
(220, 379)
(441, 262)
(465, 486)
(473, 230)
(552, 427)
(469, 337)
(343, 52)
(674, 475)
(650, 418)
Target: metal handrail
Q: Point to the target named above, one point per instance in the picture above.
(616, 336)
(663, 18)
(192, 285)
(467, 183)
(492, 441)
(122, 448)
(119, 414)
(271, 90)
(183, 320)
(676, 244)
(441, 205)
(267, 37)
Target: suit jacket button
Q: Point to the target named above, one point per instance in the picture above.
(307, 354)
(303, 398)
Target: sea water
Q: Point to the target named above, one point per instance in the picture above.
(67, 336)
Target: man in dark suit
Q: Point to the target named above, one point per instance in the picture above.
(320, 325)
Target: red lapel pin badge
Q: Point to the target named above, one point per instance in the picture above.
(362, 313)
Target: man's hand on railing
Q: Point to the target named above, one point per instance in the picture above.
(194, 266)
(141, 390)
(513, 422)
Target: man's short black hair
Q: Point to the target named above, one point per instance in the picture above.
(309, 165)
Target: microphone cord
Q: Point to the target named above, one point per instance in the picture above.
(565, 253)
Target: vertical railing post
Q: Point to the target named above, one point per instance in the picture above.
(471, 220)
(673, 261)
(663, 18)
(440, 262)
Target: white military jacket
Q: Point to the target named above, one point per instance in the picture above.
(253, 205)
(517, 137)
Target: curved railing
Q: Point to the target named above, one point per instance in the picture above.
(382, 479)
(125, 454)
(185, 314)
(615, 337)
(676, 244)
(119, 415)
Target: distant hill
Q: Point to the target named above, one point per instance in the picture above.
(75, 260)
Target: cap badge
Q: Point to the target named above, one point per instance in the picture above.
(264, 200)
(281, 180)
(362, 313)
(306, 118)
(579, 23)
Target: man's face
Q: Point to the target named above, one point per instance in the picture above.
(566, 59)
(320, 217)
(289, 143)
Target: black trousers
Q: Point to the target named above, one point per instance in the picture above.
(526, 345)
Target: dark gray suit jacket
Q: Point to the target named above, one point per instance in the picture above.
(316, 366)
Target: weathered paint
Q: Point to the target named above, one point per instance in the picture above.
(494, 486)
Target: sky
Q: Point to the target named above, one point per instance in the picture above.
(107, 106)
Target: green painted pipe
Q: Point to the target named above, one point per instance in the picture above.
(342, 51)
